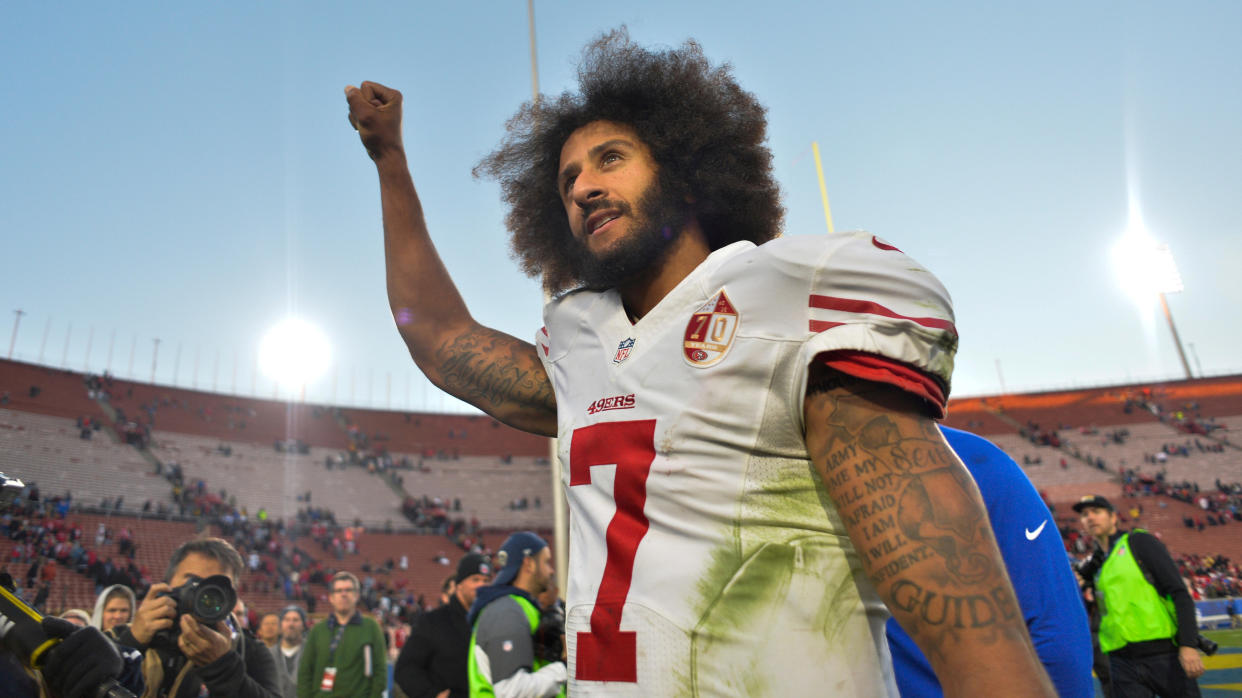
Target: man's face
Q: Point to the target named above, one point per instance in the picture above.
(291, 627)
(1099, 522)
(116, 612)
(468, 588)
(344, 597)
(269, 628)
(541, 579)
(621, 219)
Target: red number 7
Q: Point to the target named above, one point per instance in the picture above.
(606, 653)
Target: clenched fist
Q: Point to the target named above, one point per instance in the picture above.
(375, 111)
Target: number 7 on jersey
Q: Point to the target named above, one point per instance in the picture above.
(605, 653)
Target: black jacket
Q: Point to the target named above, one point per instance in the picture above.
(248, 671)
(434, 656)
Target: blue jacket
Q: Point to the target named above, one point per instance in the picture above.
(1035, 557)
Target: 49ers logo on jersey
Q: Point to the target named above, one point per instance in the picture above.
(616, 402)
(710, 331)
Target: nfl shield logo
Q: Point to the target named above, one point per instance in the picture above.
(623, 350)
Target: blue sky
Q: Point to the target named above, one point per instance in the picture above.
(186, 171)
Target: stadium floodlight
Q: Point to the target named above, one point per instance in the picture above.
(1147, 272)
(294, 353)
(1144, 268)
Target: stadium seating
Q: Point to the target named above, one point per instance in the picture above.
(48, 451)
(490, 467)
(262, 478)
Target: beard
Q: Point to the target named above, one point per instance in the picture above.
(661, 217)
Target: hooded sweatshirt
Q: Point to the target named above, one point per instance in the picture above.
(97, 616)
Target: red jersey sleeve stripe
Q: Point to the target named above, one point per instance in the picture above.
(882, 369)
(849, 305)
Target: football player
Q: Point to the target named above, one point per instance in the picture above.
(753, 469)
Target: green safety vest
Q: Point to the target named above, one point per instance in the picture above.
(1133, 611)
(480, 685)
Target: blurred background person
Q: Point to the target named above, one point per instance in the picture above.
(114, 606)
(432, 664)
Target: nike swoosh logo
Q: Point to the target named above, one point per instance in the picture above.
(1032, 535)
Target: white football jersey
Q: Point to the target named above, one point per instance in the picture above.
(706, 558)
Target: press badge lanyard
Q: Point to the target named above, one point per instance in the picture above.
(329, 672)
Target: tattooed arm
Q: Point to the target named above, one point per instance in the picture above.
(921, 531)
(491, 370)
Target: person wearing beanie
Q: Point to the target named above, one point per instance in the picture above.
(432, 663)
(288, 650)
(504, 660)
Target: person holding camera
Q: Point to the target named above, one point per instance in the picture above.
(347, 654)
(504, 659)
(184, 630)
(1147, 626)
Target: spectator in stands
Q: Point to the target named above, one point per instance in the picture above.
(345, 655)
(1148, 627)
(269, 629)
(220, 661)
(501, 618)
(114, 607)
(432, 664)
(288, 652)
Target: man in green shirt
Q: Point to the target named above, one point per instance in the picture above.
(345, 655)
(1148, 627)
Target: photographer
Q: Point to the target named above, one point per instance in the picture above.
(184, 656)
(503, 660)
(1148, 627)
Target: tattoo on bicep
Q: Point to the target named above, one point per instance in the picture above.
(493, 367)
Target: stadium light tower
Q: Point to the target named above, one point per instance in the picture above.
(16, 323)
(1147, 268)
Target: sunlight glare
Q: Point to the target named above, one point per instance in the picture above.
(294, 353)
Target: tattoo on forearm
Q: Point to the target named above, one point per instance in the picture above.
(492, 367)
(972, 611)
(917, 525)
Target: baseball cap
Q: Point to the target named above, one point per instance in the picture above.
(473, 563)
(514, 550)
(1093, 500)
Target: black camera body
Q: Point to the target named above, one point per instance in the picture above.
(208, 600)
(549, 637)
(1206, 646)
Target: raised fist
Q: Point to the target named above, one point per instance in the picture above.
(375, 112)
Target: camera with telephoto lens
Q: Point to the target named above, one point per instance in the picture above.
(208, 601)
(549, 637)
(1206, 646)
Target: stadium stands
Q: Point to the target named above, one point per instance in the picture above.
(50, 452)
(262, 478)
(463, 467)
